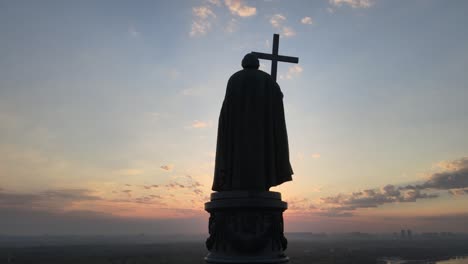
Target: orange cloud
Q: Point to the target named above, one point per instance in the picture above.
(288, 32)
(316, 155)
(199, 124)
(202, 17)
(239, 8)
(277, 21)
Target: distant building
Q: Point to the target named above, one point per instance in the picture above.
(409, 234)
(403, 234)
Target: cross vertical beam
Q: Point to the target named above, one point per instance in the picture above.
(274, 63)
(275, 57)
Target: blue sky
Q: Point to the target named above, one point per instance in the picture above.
(100, 99)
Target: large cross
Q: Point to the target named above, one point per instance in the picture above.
(274, 57)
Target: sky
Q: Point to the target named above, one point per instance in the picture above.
(109, 112)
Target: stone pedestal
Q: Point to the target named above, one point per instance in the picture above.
(246, 227)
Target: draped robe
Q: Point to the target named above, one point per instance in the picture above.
(252, 150)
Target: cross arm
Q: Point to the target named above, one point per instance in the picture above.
(266, 56)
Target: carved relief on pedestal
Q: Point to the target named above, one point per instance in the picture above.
(249, 226)
(246, 231)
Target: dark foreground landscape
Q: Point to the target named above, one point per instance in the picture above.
(303, 248)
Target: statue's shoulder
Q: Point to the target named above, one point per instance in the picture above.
(263, 73)
(237, 74)
(266, 76)
(249, 73)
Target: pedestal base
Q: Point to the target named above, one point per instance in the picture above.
(246, 227)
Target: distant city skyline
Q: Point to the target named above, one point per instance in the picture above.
(108, 112)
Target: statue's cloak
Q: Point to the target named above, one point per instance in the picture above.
(252, 150)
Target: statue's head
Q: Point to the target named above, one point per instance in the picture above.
(250, 61)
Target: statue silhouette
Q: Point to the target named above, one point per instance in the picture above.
(252, 150)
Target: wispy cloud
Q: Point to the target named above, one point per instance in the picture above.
(316, 155)
(458, 192)
(173, 185)
(293, 72)
(239, 8)
(149, 187)
(200, 124)
(372, 198)
(454, 175)
(298, 203)
(204, 16)
(307, 20)
(203, 12)
(124, 202)
(352, 3)
(202, 20)
(185, 181)
(454, 165)
(167, 167)
(263, 67)
(149, 199)
(453, 178)
(334, 213)
(277, 21)
(288, 32)
(198, 191)
(200, 28)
